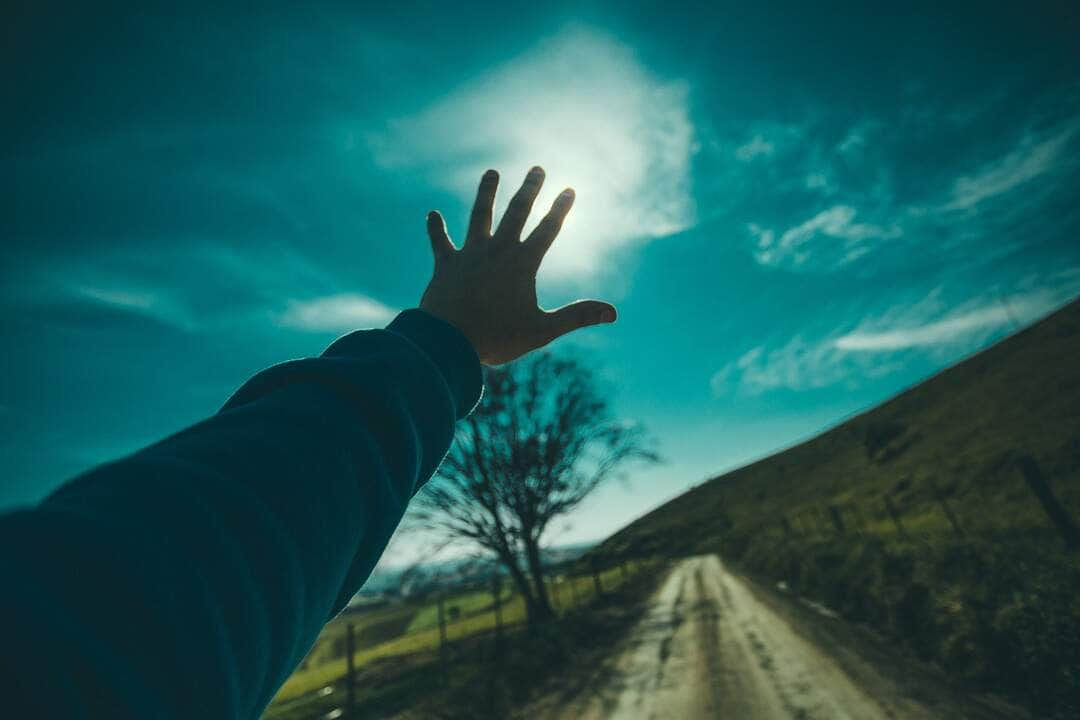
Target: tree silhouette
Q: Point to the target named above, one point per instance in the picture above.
(540, 441)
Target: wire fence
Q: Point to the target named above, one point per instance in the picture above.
(427, 640)
(474, 621)
(921, 510)
(975, 572)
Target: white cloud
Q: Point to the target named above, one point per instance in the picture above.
(235, 285)
(582, 106)
(967, 325)
(877, 345)
(757, 147)
(157, 304)
(796, 365)
(122, 299)
(838, 221)
(818, 181)
(336, 313)
(853, 142)
(794, 246)
(765, 237)
(1028, 161)
(949, 330)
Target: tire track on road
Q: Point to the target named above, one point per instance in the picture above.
(708, 648)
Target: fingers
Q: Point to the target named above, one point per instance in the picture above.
(440, 241)
(480, 221)
(575, 316)
(540, 239)
(520, 205)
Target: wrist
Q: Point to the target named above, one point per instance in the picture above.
(449, 348)
(453, 322)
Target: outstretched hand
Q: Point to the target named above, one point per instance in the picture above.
(487, 289)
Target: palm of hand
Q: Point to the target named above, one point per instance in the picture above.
(487, 289)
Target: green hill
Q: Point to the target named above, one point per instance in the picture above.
(917, 517)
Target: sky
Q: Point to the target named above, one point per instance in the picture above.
(799, 211)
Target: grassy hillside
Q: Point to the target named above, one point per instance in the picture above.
(915, 517)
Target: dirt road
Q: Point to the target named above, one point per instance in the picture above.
(710, 648)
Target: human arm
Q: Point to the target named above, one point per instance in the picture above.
(190, 578)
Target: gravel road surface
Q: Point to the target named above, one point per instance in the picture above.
(709, 647)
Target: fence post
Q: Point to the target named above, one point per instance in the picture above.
(442, 639)
(553, 600)
(799, 525)
(858, 520)
(1051, 506)
(837, 519)
(350, 672)
(596, 578)
(895, 515)
(945, 507)
(573, 590)
(496, 594)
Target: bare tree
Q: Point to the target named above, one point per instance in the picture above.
(540, 441)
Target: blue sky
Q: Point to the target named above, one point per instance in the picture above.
(799, 213)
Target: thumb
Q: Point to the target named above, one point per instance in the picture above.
(576, 315)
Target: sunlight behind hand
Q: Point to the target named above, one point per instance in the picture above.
(583, 106)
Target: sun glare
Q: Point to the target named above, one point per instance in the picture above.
(581, 106)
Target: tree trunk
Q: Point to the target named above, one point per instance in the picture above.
(521, 581)
(536, 570)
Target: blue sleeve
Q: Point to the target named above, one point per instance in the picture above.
(189, 579)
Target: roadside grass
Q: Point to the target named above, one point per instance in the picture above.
(485, 680)
(1001, 614)
(372, 628)
(994, 603)
(386, 686)
(568, 595)
(916, 518)
(465, 604)
(306, 681)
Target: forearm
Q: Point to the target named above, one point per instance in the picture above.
(195, 574)
(190, 578)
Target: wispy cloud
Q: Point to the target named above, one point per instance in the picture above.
(195, 285)
(818, 181)
(758, 146)
(950, 330)
(336, 313)
(796, 365)
(969, 324)
(848, 190)
(585, 108)
(854, 142)
(137, 301)
(92, 297)
(1035, 156)
(877, 346)
(155, 304)
(837, 225)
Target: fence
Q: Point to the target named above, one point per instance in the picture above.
(884, 514)
(452, 621)
(978, 576)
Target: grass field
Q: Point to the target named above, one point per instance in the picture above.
(418, 631)
(913, 518)
(465, 604)
(372, 628)
(916, 518)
